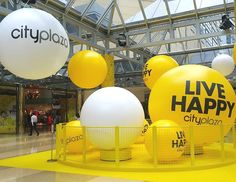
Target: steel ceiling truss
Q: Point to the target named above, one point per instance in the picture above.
(189, 33)
(90, 35)
(104, 15)
(80, 32)
(143, 12)
(177, 17)
(177, 35)
(184, 32)
(96, 35)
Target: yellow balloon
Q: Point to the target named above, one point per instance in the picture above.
(140, 139)
(87, 69)
(170, 140)
(74, 138)
(194, 95)
(155, 67)
(234, 53)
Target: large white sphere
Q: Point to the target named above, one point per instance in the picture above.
(110, 107)
(33, 44)
(223, 63)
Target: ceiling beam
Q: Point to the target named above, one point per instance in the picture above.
(86, 9)
(177, 40)
(103, 16)
(143, 12)
(111, 18)
(68, 6)
(120, 15)
(175, 17)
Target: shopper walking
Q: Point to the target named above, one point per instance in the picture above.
(34, 121)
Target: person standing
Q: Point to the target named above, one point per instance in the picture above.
(49, 121)
(28, 124)
(34, 121)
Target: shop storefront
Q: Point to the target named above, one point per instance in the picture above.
(51, 106)
(8, 113)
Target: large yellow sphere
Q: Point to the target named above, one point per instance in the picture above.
(140, 139)
(74, 137)
(170, 140)
(234, 53)
(87, 69)
(155, 67)
(194, 95)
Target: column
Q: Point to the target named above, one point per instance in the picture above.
(110, 78)
(20, 116)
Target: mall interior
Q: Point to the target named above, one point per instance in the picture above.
(93, 61)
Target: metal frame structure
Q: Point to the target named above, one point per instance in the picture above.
(187, 36)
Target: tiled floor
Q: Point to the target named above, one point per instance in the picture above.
(27, 175)
(12, 145)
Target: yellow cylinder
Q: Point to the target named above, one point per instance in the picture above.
(110, 77)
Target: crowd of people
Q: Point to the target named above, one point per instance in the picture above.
(33, 119)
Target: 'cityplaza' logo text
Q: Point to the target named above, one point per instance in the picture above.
(38, 35)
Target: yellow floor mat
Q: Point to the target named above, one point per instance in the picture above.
(38, 161)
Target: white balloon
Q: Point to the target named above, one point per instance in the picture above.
(223, 63)
(110, 107)
(33, 44)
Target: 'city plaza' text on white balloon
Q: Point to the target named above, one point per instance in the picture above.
(38, 35)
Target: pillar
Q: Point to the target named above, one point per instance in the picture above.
(20, 116)
(110, 78)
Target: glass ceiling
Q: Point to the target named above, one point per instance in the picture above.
(180, 43)
(117, 12)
